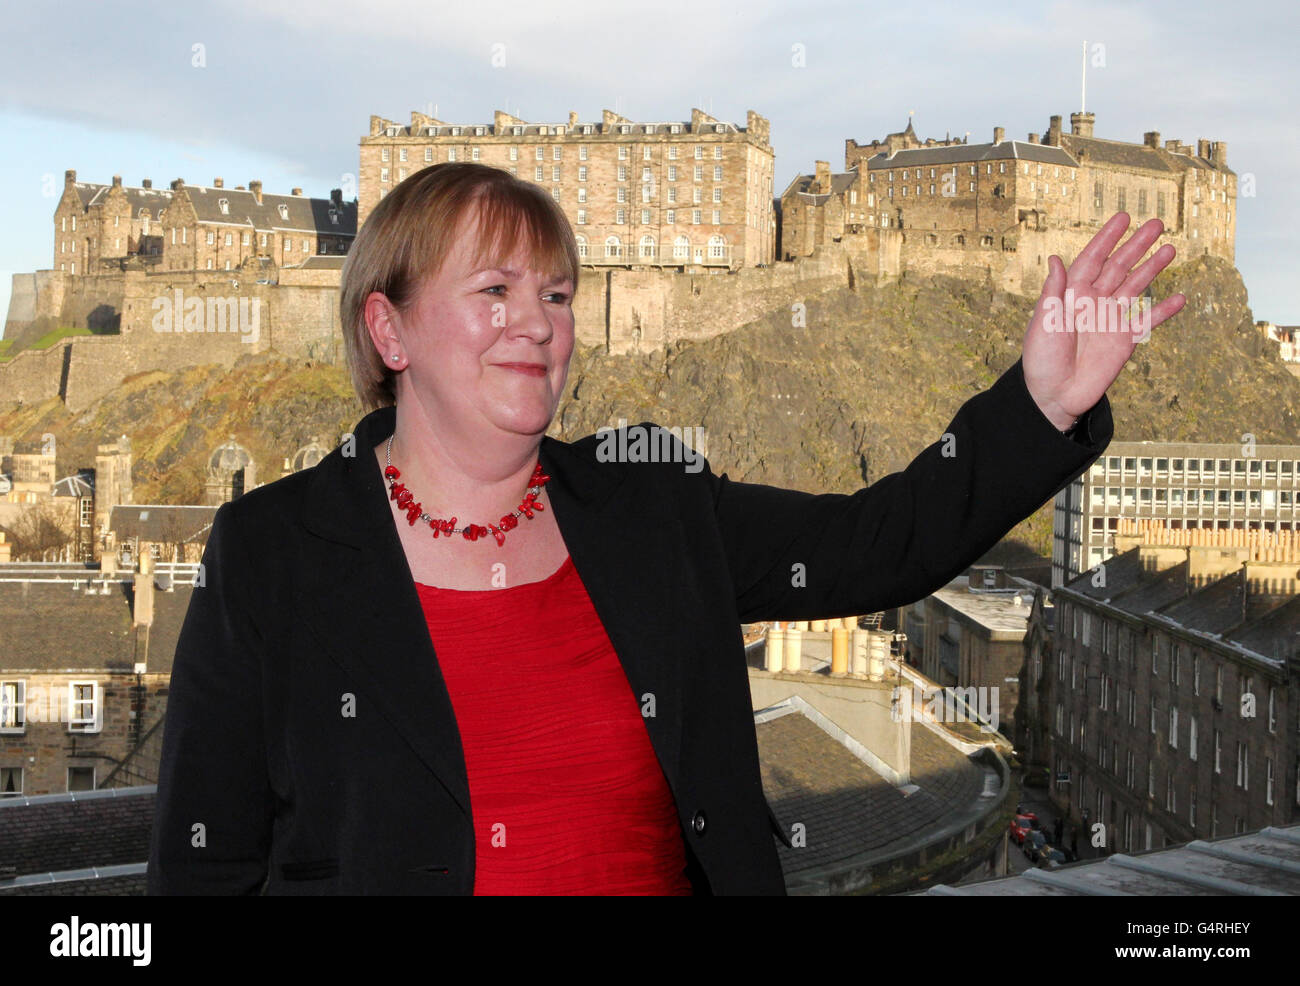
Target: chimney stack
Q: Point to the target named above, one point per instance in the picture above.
(1220, 155)
(69, 176)
(1054, 131)
(117, 181)
(1033, 138)
(823, 177)
(177, 183)
(146, 183)
(143, 609)
(573, 118)
(297, 191)
(999, 133)
(218, 183)
(1151, 138)
(336, 197)
(1203, 148)
(256, 188)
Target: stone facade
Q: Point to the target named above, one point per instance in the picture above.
(193, 227)
(1167, 704)
(655, 195)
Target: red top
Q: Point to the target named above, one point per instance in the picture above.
(566, 792)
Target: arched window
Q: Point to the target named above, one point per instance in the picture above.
(613, 247)
(717, 247)
(681, 248)
(648, 247)
(582, 247)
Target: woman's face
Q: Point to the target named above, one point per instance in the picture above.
(488, 348)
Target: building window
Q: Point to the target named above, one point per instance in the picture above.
(1268, 780)
(1218, 750)
(1191, 739)
(85, 707)
(11, 782)
(1173, 727)
(211, 238)
(13, 706)
(1243, 767)
(81, 778)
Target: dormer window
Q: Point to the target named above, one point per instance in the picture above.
(518, 131)
(284, 211)
(625, 129)
(144, 214)
(455, 131)
(478, 131)
(224, 206)
(586, 128)
(334, 216)
(433, 131)
(392, 131)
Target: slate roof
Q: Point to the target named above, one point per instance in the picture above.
(1020, 150)
(840, 183)
(153, 199)
(162, 522)
(49, 842)
(1137, 156)
(300, 213)
(848, 810)
(53, 626)
(1266, 627)
(1264, 862)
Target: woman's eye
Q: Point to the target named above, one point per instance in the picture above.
(495, 286)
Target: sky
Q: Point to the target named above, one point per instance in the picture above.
(259, 89)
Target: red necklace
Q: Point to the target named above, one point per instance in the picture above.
(471, 532)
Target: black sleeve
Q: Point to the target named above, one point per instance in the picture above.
(911, 532)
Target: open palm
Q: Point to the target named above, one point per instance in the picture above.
(1076, 345)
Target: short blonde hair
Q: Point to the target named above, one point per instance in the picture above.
(409, 234)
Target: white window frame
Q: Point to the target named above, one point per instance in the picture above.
(13, 703)
(81, 724)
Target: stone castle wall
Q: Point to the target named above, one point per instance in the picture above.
(623, 311)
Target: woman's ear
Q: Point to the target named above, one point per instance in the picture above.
(383, 322)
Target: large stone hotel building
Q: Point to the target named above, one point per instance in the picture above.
(687, 195)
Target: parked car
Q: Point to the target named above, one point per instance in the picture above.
(1022, 825)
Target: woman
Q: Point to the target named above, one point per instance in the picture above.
(459, 656)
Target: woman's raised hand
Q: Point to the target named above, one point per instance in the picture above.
(1090, 318)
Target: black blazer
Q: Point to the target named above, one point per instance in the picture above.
(308, 603)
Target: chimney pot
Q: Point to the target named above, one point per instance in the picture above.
(146, 183)
(117, 181)
(218, 183)
(297, 191)
(998, 134)
(256, 188)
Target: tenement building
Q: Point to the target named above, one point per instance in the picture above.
(1171, 694)
(100, 228)
(676, 194)
(1188, 485)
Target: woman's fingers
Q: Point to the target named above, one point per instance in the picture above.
(1087, 265)
(1141, 278)
(1116, 269)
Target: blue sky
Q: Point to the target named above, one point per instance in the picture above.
(284, 92)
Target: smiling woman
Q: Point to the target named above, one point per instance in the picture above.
(557, 700)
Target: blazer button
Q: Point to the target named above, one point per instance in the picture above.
(697, 823)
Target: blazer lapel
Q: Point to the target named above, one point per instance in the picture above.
(366, 613)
